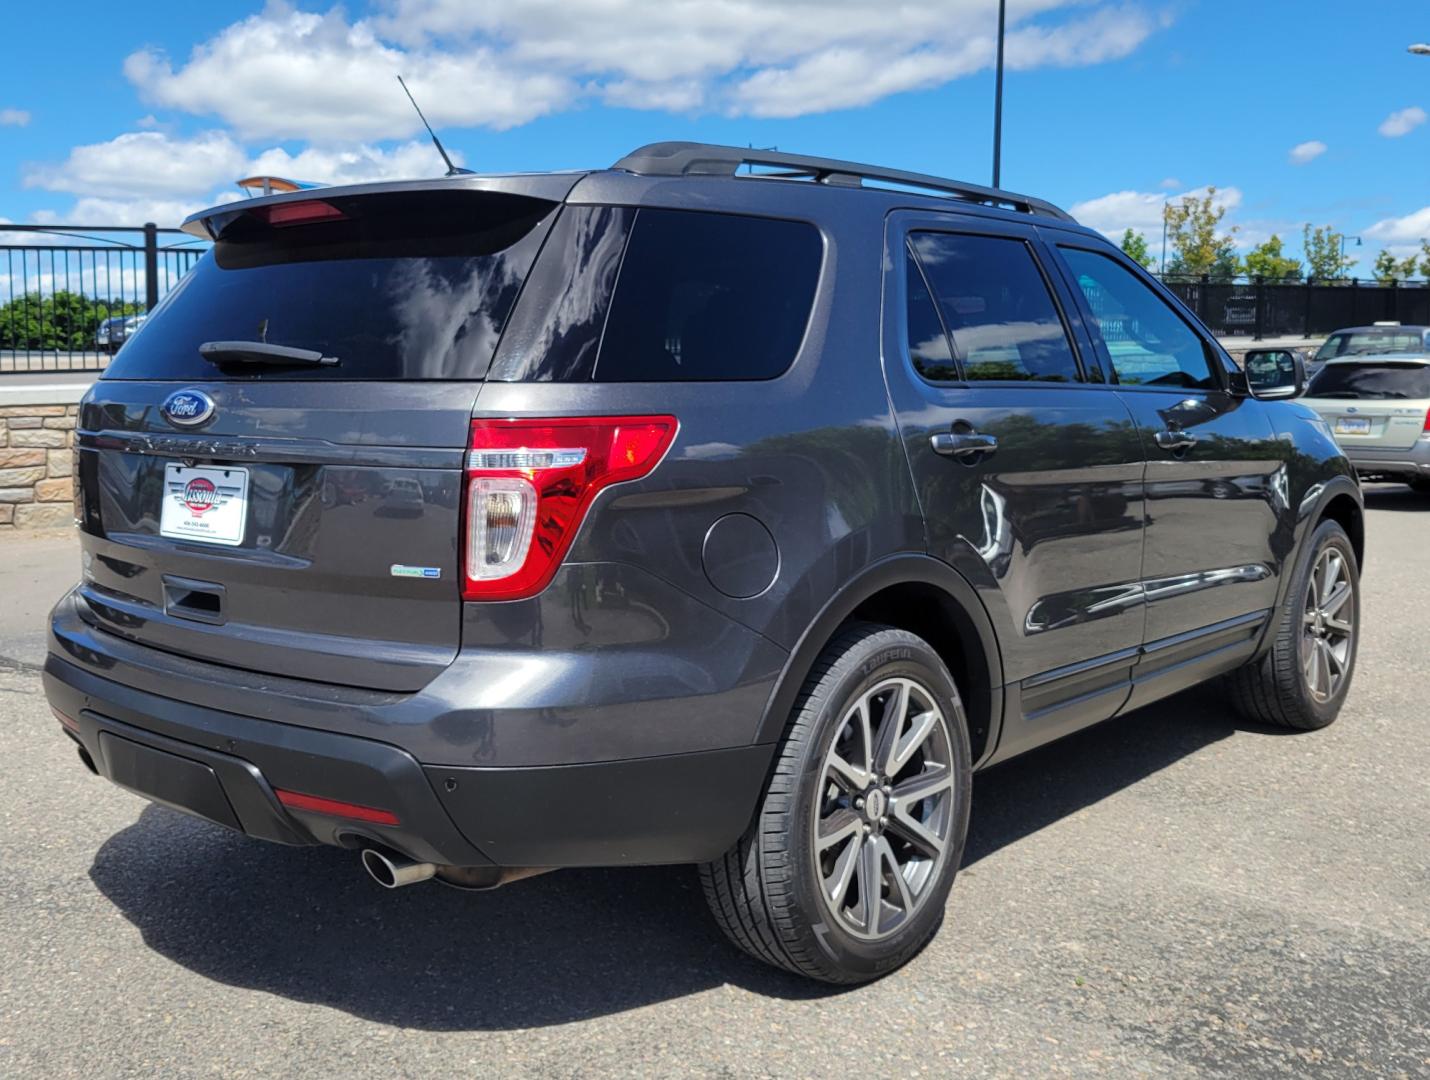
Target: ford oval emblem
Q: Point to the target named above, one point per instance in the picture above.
(187, 408)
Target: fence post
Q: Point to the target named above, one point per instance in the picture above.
(151, 266)
(1260, 324)
(1394, 313)
(1306, 318)
(1204, 281)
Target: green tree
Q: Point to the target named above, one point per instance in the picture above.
(62, 320)
(1134, 245)
(1425, 258)
(1199, 244)
(1322, 246)
(1388, 268)
(1269, 261)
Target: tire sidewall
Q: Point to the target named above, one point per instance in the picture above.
(909, 658)
(1328, 535)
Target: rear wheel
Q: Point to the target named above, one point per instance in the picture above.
(844, 872)
(1303, 679)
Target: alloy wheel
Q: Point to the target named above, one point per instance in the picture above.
(884, 808)
(1328, 626)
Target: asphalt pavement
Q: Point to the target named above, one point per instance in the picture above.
(1173, 893)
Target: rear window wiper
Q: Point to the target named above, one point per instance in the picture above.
(260, 352)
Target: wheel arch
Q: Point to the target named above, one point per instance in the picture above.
(929, 598)
(1346, 510)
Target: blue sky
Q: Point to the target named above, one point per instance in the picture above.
(110, 113)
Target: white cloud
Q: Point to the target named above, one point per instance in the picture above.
(1306, 152)
(1401, 235)
(144, 163)
(166, 213)
(1141, 211)
(352, 166)
(290, 74)
(14, 117)
(1402, 122)
(1171, 183)
(499, 63)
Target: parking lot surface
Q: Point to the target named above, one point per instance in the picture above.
(1172, 893)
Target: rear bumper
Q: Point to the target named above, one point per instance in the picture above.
(226, 768)
(1413, 461)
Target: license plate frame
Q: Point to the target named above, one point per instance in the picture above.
(207, 504)
(1353, 425)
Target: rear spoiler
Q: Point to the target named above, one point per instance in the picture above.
(554, 187)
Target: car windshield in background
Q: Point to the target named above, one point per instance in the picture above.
(1372, 381)
(1370, 343)
(393, 286)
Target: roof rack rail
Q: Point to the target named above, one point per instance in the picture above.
(707, 159)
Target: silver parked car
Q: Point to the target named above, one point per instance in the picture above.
(1378, 408)
(115, 331)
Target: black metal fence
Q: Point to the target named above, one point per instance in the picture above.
(69, 299)
(1263, 309)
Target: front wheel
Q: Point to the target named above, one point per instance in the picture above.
(1303, 679)
(844, 872)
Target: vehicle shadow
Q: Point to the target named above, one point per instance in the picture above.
(307, 924)
(1395, 497)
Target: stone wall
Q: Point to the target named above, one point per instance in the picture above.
(36, 466)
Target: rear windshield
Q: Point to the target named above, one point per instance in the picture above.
(1371, 381)
(1370, 343)
(403, 286)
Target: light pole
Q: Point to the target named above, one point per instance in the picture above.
(998, 95)
(1344, 238)
(1162, 266)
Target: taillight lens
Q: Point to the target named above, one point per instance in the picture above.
(1426, 429)
(529, 483)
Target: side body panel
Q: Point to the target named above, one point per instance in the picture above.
(1048, 528)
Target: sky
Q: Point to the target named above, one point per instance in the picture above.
(1295, 110)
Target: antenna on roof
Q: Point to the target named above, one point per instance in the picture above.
(452, 170)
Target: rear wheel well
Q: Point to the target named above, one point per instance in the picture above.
(1346, 512)
(928, 611)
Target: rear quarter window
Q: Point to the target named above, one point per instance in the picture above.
(653, 295)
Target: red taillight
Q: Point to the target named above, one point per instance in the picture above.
(1426, 429)
(335, 808)
(529, 483)
(301, 213)
(68, 721)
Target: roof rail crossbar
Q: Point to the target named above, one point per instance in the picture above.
(706, 159)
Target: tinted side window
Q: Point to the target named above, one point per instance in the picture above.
(1147, 342)
(997, 308)
(709, 296)
(928, 344)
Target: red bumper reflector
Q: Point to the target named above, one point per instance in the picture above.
(334, 808)
(68, 721)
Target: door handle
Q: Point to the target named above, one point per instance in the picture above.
(1175, 440)
(962, 444)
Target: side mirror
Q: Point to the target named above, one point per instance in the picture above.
(1275, 373)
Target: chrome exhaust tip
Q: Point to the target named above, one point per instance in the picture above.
(392, 871)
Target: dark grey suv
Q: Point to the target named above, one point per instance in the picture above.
(677, 513)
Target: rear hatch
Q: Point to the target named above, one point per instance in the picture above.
(270, 471)
(1373, 404)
